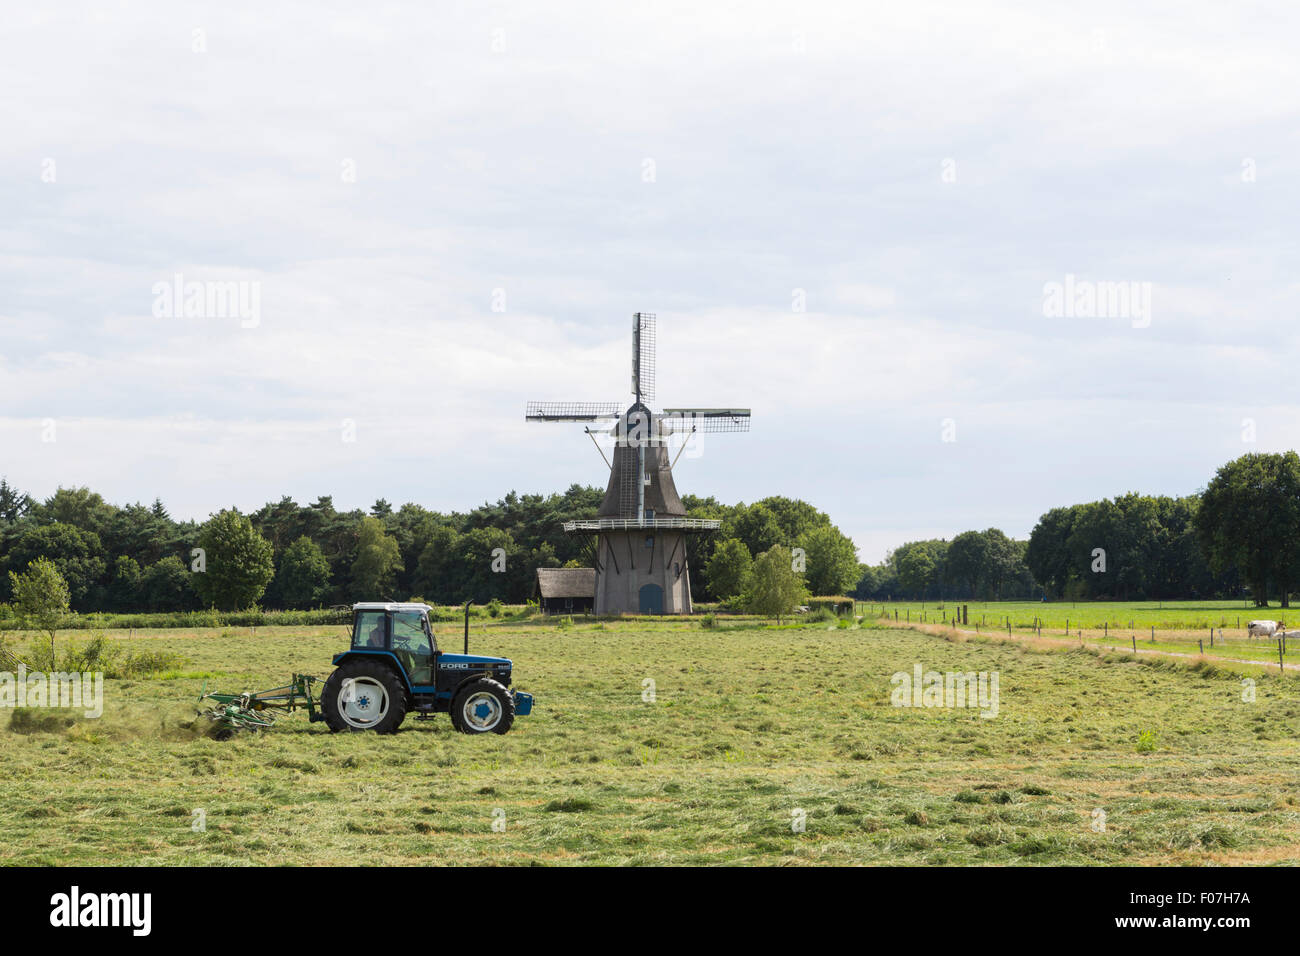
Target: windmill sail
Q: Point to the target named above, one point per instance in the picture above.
(643, 356)
(571, 411)
(705, 419)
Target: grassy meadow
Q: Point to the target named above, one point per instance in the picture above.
(749, 724)
(1169, 627)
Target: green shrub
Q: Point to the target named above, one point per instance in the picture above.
(836, 604)
(709, 621)
(494, 608)
(145, 663)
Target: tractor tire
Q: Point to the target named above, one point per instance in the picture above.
(483, 706)
(363, 695)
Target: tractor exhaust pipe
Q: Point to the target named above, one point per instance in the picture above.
(467, 603)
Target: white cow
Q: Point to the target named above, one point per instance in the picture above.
(1265, 628)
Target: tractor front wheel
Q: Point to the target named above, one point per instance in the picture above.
(363, 695)
(483, 706)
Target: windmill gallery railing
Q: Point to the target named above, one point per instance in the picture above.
(632, 524)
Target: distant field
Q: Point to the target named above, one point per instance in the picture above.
(749, 725)
(1181, 627)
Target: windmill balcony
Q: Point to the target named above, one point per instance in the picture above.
(632, 524)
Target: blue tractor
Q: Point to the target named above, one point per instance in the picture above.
(395, 667)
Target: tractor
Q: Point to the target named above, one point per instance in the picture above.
(393, 667)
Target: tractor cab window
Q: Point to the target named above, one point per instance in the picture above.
(368, 631)
(413, 645)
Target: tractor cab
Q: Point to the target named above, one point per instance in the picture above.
(394, 666)
(402, 630)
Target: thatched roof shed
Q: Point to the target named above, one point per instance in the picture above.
(566, 582)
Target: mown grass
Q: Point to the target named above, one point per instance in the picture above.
(748, 724)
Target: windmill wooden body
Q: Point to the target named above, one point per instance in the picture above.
(640, 529)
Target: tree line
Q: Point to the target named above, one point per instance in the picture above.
(137, 558)
(1240, 535)
(1242, 532)
(973, 565)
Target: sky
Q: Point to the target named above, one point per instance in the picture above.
(861, 220)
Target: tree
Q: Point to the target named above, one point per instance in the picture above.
(968, 559)
(494, 567)
(80, 507)
(238, 562)
(41, 597)
(1047, 556)
(757, 526)
(304, 575)
(1249, 518)
(13, 503)
(727, 572)
(166, 586)
(432, 576)
(125, 591)
(774, 588)
(76, 552)
(378, 561)
(795, 518)
(1001, 558)
(920, 565)
(832, 560)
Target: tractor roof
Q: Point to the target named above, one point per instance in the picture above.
(390, 606)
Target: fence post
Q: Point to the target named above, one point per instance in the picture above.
(1201, 644)
(1135, 644)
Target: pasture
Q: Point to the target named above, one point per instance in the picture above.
(748, 725)
(1178, 627)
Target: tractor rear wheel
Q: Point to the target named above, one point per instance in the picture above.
(483, 706)
(363, 695)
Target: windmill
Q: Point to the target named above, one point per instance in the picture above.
(641, 527)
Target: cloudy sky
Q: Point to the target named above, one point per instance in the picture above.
(847, 216)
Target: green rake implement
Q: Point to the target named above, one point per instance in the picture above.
(235, 712)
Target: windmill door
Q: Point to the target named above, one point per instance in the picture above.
(652, 599)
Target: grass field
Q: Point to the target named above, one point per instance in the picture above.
(749, 725)
(1178, 627)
